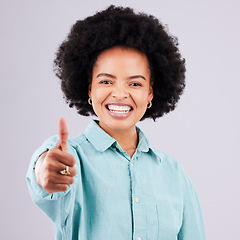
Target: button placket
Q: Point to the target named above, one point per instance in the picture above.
(139, 216)
(136, 199)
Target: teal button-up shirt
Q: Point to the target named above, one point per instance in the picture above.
(146, 197)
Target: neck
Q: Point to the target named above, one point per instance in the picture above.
(127, 139)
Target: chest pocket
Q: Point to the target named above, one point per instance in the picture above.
(164, 221)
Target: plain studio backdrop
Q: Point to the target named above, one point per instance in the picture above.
(202, 133)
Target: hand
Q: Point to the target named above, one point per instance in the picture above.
(51, 163)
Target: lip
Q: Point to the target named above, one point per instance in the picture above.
(119, 115)
(119, 104)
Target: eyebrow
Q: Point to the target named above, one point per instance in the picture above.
(112, 76)
(137, 76)
(105, 75)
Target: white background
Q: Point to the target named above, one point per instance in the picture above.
(202, 133)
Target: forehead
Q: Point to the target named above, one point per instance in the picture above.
(124, 58)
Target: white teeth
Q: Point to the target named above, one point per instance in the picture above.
(119, 109)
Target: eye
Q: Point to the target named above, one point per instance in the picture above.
(105, 82)
(135, 84)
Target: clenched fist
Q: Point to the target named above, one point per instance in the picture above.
(50, 164)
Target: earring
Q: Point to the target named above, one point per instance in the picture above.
(149, 104)
(90, 101)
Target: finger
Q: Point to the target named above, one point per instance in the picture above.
(54, 180)
(61, 179)
(57, 188)
(63, 135)
(55, 156)
(72, 171)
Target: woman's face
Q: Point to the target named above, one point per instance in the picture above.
(120, 90)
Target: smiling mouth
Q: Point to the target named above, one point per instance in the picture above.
(118, 108)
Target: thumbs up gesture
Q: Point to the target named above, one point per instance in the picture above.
(55, 169)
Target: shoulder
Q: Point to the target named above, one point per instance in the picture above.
(73, 143)
(171, 164)
(78, 140)
(166, 160)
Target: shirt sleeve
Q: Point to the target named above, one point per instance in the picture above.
(192, 222)
(55, 205)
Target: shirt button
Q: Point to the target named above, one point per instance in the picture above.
(139, 238)
(136, 200)
(131, 164)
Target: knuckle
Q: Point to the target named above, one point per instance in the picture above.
(48, 168)
(49, 191)
(46, 185)
(71, 180)
(74, 171)
(54, 153)
(72, 161)
(51, 152)
(47, 181)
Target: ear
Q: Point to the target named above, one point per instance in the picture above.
(89, 90)
(150, 94)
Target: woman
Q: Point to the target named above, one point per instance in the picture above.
(109, 182)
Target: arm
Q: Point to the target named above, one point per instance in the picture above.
(192, 223)
(46, 185)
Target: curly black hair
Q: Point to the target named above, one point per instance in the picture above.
(118, 26)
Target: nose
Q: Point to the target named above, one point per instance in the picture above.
(120, 91)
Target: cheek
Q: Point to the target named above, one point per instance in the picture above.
(98, 95)
(141, 99)
(95, 94)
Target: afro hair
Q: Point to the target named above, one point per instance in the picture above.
(118, 26)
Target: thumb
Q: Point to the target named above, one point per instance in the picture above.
(63, 135)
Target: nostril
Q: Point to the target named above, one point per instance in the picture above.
(122, 93)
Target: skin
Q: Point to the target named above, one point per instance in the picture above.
(50, 163)
(120, 78)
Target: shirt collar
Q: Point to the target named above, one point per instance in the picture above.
(102, 141)
(98, 137)
(145, 146)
